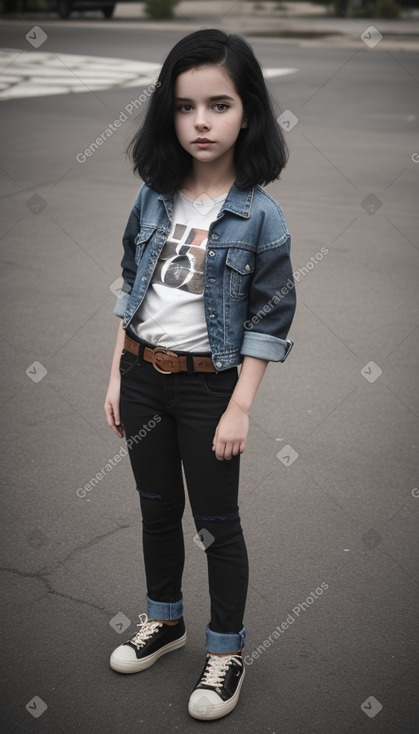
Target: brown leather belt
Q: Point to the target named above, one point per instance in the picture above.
(166, 361)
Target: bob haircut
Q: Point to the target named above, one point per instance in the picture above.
(260, 151)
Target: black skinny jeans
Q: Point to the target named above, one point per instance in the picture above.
(174, 418)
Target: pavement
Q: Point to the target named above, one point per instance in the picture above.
(329, 494)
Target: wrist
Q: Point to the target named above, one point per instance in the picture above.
(238, 406)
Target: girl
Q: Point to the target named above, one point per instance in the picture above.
(207, 286)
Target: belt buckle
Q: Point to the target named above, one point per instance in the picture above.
(160, 350)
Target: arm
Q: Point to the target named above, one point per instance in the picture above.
(128, 264)
(231, 433)
(271, 307)
(129, 269)
(114, 390)
(270, 313)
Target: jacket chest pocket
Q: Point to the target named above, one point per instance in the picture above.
(141, 240)
(240, 267)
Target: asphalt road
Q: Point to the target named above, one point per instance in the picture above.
(329, 488)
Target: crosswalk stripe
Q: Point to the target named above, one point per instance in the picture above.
(38, 73)
(41, 74)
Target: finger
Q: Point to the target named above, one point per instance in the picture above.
(219, 450)
(113, 427)
(114, 423)
(110, 420)
(228, 451)
(215, 439)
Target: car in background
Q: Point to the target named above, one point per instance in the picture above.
(65, 7)
(62, 7)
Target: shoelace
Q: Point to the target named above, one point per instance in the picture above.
(216, 670)
(147, 628)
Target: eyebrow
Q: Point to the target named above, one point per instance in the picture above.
(211, 99)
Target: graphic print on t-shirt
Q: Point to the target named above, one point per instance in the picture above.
(181, 263)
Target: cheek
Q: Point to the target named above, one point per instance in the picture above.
(232, 129)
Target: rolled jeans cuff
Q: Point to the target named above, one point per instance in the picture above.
(220, 642)
(166, 610)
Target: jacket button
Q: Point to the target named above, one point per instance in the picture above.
(215, 236)
(211, 253)
(218, 364)
(247, 267)
(212, 315)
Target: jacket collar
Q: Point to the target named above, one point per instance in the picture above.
(238, 201)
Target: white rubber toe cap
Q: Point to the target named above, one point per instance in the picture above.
(125, 653)
(124, 659)
(205, 704)
(204, 698)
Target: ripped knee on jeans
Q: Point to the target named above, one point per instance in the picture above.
(148, 495)
(217, 518)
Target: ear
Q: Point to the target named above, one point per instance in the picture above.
(244, 123)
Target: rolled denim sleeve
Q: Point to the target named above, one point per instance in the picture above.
(271, 306)
(128, 264)
(122, 300)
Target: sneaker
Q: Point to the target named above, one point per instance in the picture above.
(153, 640)
(218, 689)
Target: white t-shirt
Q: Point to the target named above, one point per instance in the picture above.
(172, 313)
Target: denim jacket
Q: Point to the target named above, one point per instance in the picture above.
(249, 291)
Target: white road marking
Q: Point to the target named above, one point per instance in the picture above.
(272, 73)
(40, 74)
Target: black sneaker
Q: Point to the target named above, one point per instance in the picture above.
(153, 640)
(218, 688)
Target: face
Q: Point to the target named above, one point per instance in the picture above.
(207, 109)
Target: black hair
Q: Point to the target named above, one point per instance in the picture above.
(260, 151)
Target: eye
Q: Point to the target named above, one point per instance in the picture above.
(223, 105)
(184, 108)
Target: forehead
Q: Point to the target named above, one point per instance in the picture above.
(204, 81)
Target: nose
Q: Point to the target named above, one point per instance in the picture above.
(201, 121)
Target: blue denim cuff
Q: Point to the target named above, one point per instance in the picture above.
(265, 346)
(219, 642)
(121, 304)
(166, 610)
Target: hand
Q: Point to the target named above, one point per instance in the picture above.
(111, 406)
(231, 433)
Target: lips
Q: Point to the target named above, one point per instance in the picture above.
(202, 140)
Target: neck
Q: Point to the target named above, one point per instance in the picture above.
(211, 179)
